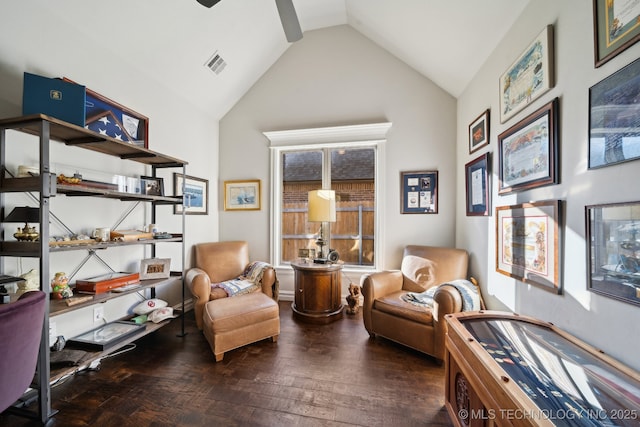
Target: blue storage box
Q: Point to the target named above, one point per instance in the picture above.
(54, 97)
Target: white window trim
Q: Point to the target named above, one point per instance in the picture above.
(365, 135)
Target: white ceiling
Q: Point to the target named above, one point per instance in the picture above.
(170, 40)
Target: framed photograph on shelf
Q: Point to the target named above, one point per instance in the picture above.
(527, 243)
(616, 26)
(110, 118)
(419, 192)
(479, 132)
(528, 151)
(613, 250)
(529, 76)
(195, 196)
(106, 336)
(242, 195)
(155, 268)
(477, 173)
(614, 118)
(152, 186)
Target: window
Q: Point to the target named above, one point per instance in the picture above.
(330, 158)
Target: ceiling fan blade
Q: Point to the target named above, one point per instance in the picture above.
(208, 3)
(289, 19)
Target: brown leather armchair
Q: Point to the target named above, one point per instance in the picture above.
(218, 262)
(385, 312)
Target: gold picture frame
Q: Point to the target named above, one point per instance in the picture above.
(242, 195)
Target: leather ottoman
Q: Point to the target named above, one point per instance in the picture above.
(233, 322)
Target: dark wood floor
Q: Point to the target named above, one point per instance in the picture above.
(315, 375)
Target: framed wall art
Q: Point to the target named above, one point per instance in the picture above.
(616, 26)
(479, 132)
(614, 118)
(529, 76)
(528, 243)
(195, 196)
(613, 250)
(528, 151)
(110, 118)
(419, 192)
(477, 173)
(242, 195)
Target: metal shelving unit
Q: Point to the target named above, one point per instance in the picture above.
(49, 129)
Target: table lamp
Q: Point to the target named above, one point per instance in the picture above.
(322, 208)
(25, 214)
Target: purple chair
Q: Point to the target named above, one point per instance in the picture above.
(20, 333)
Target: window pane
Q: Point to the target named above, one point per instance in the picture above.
(353, 180)
(352, 177)
(301, 172)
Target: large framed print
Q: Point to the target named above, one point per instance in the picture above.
(528, 243)
(419, 192)
(477, 173)
(195, 196)
(528, 151)
(613, 250)
(479, 132)
(614, 118)
(106, 336)
(242, 195)
(529, 76)
(616, 26)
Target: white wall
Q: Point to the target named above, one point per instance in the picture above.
(602, 322)
(332, 77)
(31, 41)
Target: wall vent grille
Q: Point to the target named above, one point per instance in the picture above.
(215, 63)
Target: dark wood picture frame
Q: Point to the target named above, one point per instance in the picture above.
(614, 118)
(108, 116)
(528, 151)
(613, 34)
(479, 132)
(528, 243)
(419, 192)
(152, 186)
(477, 183)
(197, 191)
(613, 250)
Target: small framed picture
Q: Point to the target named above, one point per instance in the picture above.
(242, 195)
(419, 192)
(195, 195)
(152, 186)
(479, 132)
(477, 173)
(616, 26)
(155, 268)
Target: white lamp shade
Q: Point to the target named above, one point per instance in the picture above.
(322, 206)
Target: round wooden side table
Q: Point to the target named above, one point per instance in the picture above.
(317, 292)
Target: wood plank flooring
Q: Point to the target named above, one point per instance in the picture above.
(315, 375)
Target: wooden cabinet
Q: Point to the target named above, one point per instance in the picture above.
(44, 186)
(317, 292)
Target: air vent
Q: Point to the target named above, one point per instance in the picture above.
(215, 63)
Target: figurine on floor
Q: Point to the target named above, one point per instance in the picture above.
(353, 299)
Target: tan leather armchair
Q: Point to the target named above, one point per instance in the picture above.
(386, 314)
(217, 262)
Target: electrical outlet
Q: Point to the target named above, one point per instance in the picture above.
(98, 313)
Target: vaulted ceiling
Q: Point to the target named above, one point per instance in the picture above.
(170, 41)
